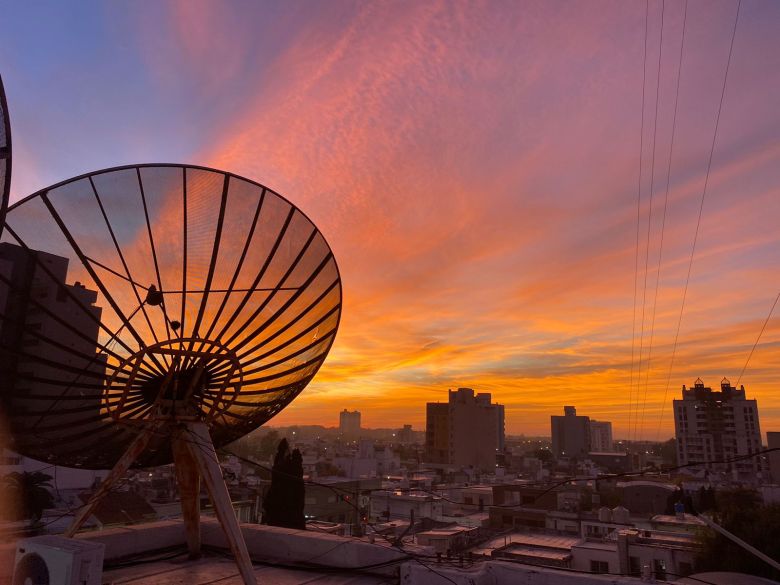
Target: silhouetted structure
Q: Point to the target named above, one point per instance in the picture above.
(349, 423)
(570, 433)
(466, 431)
(713, 426)
(49, 361)
(284, 503)
(601, 436)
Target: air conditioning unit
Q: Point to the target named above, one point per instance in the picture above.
(56, 560)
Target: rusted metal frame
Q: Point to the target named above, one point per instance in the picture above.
(298, 336)
(73, 298)
(45, 338)
(293, 370)
(239, 265)
(118, 249)
(293, 339)
(88, 267)
(154, 251)
(61, 411)
(290, 323)
(188, 481)
(286, 305)
(89, 365)
(206, 459)
(283, 388)
(213, 261)
(115, 273)
(71, 423)
(296, 353)
(182, 332)
(260, 274)
(268, 299)
(135, 448)
(6, 154)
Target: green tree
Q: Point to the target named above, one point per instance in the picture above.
(741, 513)
(27, 495)
(543, 455)
(285, 500)
(268, 445)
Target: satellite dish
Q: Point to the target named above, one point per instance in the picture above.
(151, 312)
(5, 155)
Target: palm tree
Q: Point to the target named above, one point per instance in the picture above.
(27, 494)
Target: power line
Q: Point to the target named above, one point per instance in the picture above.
(666, 196)
(703, 195)
(760, 333)
(649, 225)
(638, 211)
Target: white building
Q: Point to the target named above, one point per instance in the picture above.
(601, 436)
(716, 426)
(396, 505)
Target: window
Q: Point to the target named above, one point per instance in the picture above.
(599, 567)
(659, 568)
(634, 566)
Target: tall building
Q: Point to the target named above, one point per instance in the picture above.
(570, 433)
(349, 423)
(773, 442)
(49, 340)
(466, 431)
(405, 435)
(601, 436)
(714, 426)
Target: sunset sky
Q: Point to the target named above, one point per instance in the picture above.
(475, 168)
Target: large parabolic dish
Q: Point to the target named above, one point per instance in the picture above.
(144, 289)
(5, 155)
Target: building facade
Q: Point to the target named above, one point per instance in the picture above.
(570, 433)
(601, 436)
(349, 423)
(716, 426)
(466, 431)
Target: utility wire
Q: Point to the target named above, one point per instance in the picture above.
(701, 204)
(640, 425)
(638, 216)
(760, 333)
(666, 196)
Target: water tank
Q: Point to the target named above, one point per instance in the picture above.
(605, 514)
(620, 515)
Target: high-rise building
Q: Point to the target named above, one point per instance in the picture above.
(405, 435)
(466, 431)
(773, 442)
(601, 436)
(713, 427)
(349, 423)
(570, 433)
(49, 348)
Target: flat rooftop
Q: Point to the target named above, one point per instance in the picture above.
(212, 569)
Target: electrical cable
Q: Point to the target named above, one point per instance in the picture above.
(638, 215)
(649, 231)
(760, 333)
(703, 195)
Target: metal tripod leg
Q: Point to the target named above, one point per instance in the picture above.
(188, 480)
(199, 443)
(133, 451)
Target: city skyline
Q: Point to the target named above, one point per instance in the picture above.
(477, 182)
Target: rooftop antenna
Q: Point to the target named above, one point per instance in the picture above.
(152, 313)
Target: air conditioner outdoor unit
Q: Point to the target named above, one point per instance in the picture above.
(56, 560)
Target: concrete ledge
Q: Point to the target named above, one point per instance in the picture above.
(282, 545)
(303, 546)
